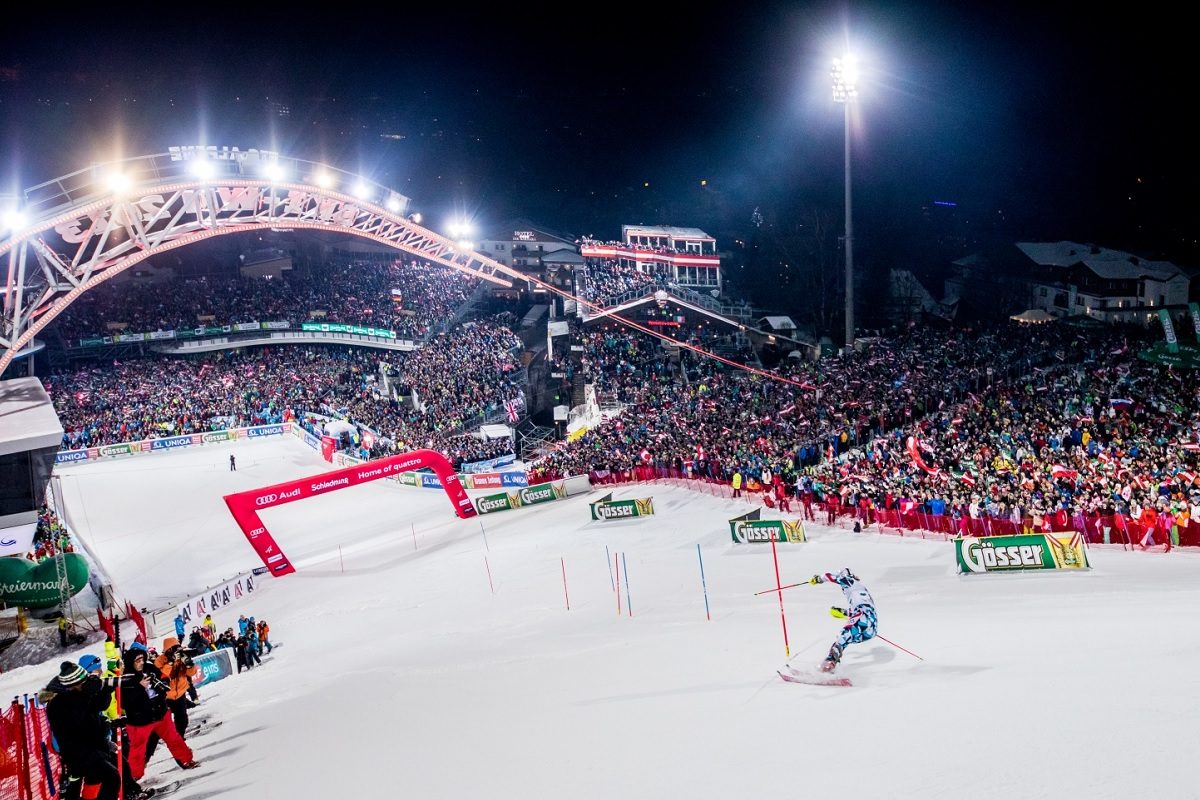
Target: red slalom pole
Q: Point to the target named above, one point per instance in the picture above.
(786, 647)
(898, 647)
(565, 594)
(617, 562)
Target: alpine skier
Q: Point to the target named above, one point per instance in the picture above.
(862, 622)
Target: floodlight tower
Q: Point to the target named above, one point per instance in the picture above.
(845, 80)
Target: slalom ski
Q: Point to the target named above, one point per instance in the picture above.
(813, 678)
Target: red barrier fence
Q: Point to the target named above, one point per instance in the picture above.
(29, 766)
(1096, 528)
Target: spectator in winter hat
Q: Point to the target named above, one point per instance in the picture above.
(144, 697)
(75, 704)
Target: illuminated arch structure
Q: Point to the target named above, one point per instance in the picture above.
(77, 231)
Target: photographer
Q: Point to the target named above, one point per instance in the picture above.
(144, 701)
(177, 670)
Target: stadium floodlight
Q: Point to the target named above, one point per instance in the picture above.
(324, 180)
(14, 219)
(845, 89)
(201, 168)
(466, 244)
(118, 182)
(274, 171)
(362, 190)
(459, 229)
(393, 204)
(415, 217)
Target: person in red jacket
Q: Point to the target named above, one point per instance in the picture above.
(832, 502)
(782, 498)
(144, 703)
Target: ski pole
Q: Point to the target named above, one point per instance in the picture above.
(780, 588)
(703, 583)
(898, 647)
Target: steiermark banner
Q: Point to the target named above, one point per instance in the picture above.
(745, 531)
(1018, 553)
(622, 509)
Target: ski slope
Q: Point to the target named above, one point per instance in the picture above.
(405, 673)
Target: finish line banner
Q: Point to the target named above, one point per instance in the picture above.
(622, 509)
(1019, 553)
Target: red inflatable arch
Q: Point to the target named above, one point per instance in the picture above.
(245, 505)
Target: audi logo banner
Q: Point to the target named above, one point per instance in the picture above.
(244, 506)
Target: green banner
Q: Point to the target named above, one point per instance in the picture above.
(408, 479)
(622, 509)
(330, 327)
(23, 583)
(491, 503)
(745, 531)
(1019, 553)
(91, 341)
(217, 436)
(117, 449)
(542, 493)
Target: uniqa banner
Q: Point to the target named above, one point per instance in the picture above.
(745, 531)
(1019, 553)
(622, 509)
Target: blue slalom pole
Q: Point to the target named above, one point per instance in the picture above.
(608, 558)
(628, 602)
(703, 583)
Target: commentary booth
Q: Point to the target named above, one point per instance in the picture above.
(30, 435)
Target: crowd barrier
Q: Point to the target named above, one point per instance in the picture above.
(29, 764)
(1096, 528)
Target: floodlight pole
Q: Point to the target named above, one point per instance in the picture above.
(844, 91)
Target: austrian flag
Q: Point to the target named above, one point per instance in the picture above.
(1060, 472)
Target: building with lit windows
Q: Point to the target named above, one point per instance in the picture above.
(684, 256)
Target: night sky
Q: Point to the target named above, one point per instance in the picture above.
(1037, 124)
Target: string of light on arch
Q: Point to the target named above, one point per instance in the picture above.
(694, 348)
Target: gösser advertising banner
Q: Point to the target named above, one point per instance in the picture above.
(762, 530)
(245, 505)
(622, 509)
(1017, 553)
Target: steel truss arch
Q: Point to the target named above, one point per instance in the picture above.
(78, 245)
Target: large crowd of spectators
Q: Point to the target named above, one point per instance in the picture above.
(604, 281)
(1010, 422)
(443, 391)
(408, 297)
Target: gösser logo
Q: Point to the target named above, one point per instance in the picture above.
(981, 557)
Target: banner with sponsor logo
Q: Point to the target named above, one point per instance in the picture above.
(622, 509)
(214, 666)
(745, 531)
(246, 326)
(67, 456)
(213, 437)
(172, 442)
(109, 450)
(245, 505)
(491, 503)
(23, 583)
(329, 327)
(264, 430)
(542, 493)
(1019, 553)
(17, 540)
(277, 325)
(226, 594)
(489, 465)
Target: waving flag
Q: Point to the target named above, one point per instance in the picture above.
(513, 411)
(1120, 404)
